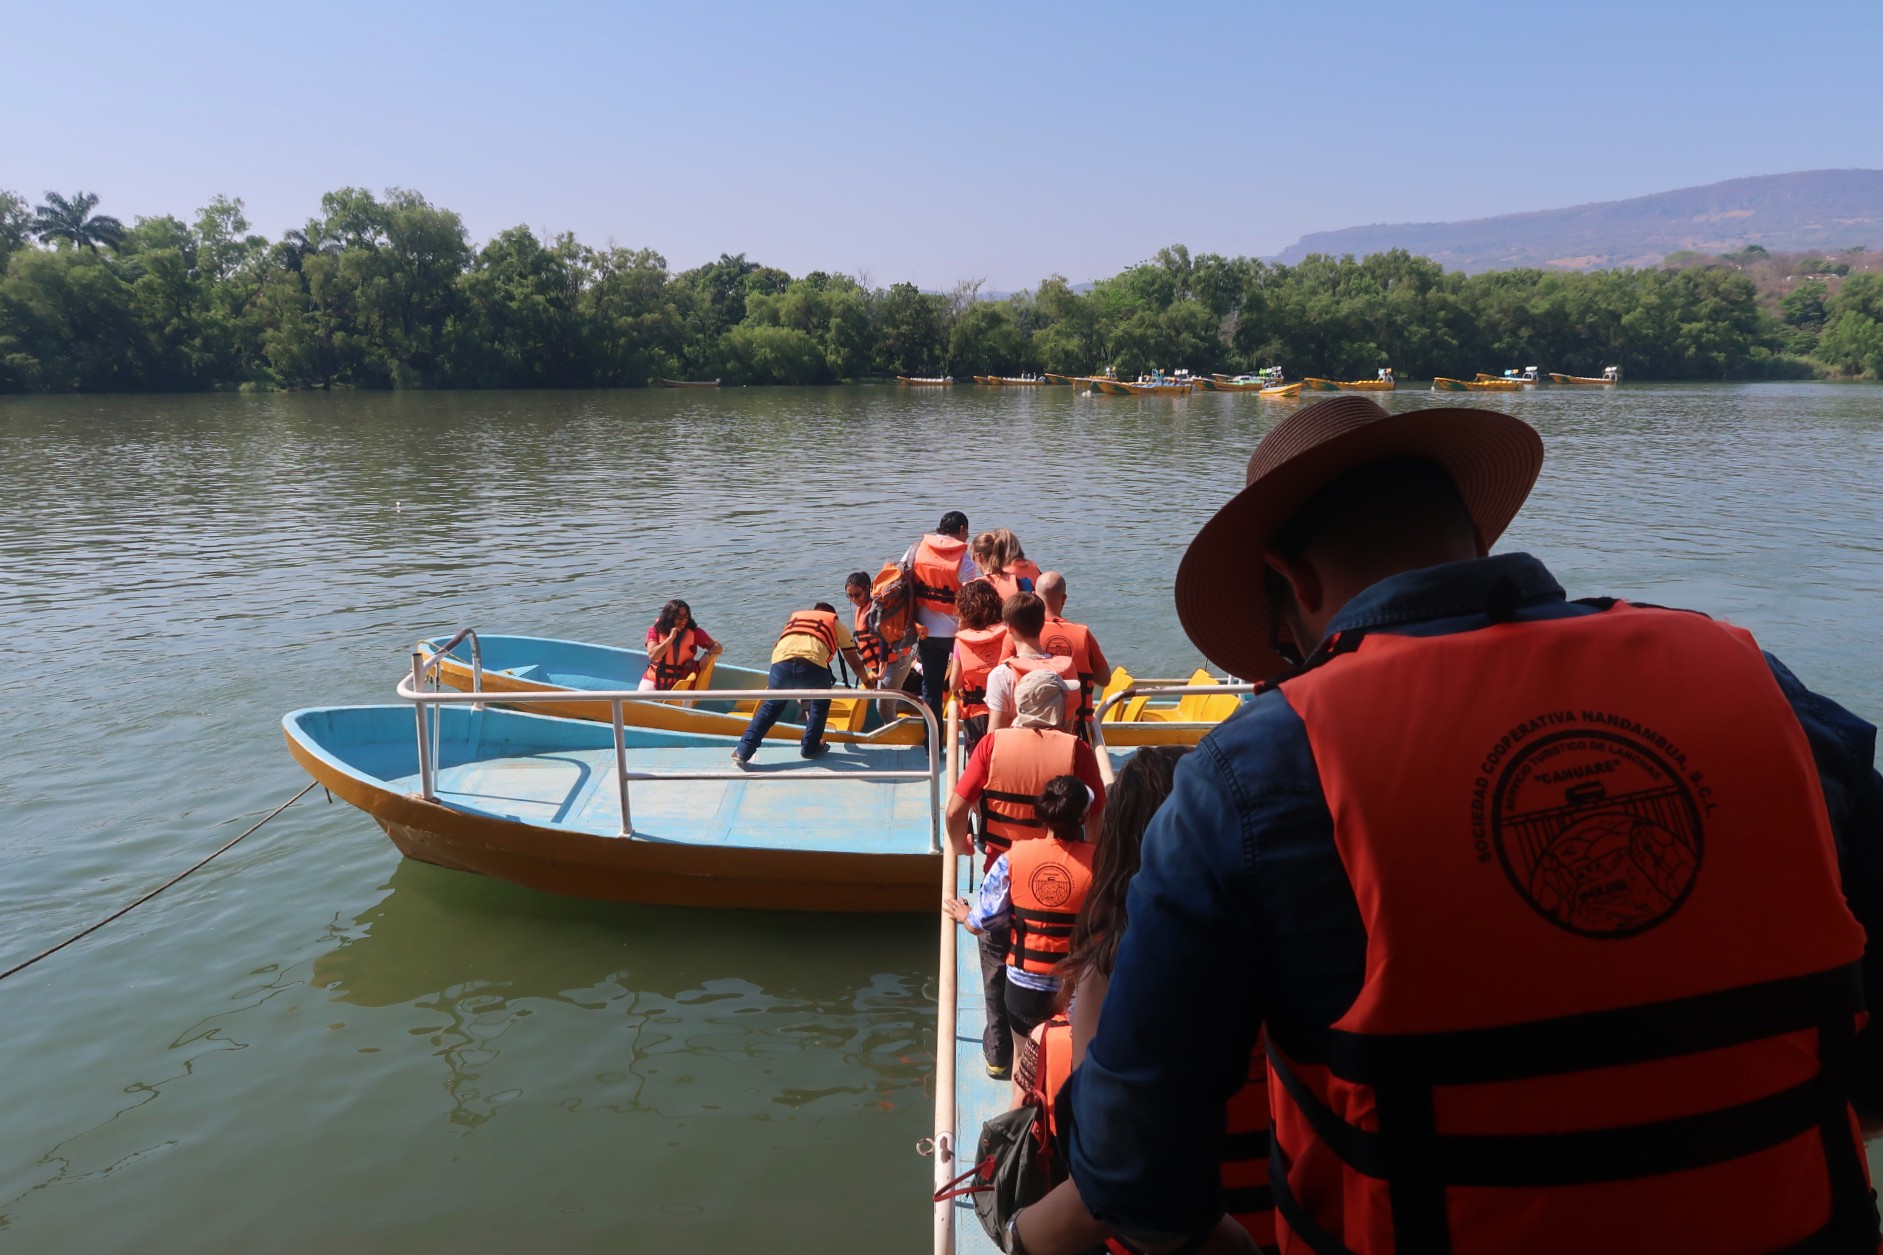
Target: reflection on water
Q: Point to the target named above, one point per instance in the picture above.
(312, 1046)
(480, 957)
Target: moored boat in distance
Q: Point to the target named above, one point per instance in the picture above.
(1610, 375)
(920, 381)
(1384, 382)
(1486, 383)
(1049, 377)
(687, 383)
(1280, 391)
(1008, 381)
(1528, 376)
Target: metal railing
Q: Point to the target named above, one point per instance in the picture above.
(412, 688)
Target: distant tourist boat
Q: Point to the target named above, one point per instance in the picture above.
(1063, 379)
(1024, 381)
(1383, 383)
(687, 383)
(1611, 375)
(1484, 383)
(1528, 376)
(1280, 391)
(919, 381)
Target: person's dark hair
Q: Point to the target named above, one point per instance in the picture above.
(1379, 502)
(978, 605)
(1141, 788)
(670, 612)
(859, 579)
(1024, 613)
(952, 523)
(1062, 805)
(826, 607)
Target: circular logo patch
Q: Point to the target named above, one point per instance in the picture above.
(1050, 884)
(1596, 831)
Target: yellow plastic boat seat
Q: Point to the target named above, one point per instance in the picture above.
(1135, 711)
(1120, 679)
(1193, 707)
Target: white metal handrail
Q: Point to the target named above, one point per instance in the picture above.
(412, 688)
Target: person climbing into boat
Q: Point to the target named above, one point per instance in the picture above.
(1032, 894)
(1571, 902)
(801, 660)
(941, 564)
(1003, 563)
(676, 647)
(979, 643)
(1071, 640)
(883, 667)
(1025, 617)
(1008, 771)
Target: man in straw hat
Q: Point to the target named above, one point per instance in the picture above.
(1006, 774)
(1551, 909)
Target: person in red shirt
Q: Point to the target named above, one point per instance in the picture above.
(676, 647)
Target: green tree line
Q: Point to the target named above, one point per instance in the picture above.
(389, 291)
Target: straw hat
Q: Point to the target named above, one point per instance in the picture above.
(1221, 601)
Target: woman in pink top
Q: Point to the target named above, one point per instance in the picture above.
(676, 646)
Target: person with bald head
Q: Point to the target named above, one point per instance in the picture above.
(1066, 639)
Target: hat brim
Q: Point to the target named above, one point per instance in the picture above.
(1222, 600)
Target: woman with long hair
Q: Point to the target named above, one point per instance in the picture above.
(676, 647)
(1004, 563)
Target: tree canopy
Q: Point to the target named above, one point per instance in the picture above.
(389, 291)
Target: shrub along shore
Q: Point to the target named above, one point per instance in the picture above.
(389, 292)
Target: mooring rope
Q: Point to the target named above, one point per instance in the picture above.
(123, 911)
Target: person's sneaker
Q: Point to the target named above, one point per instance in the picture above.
(740, 763)
(1000, 1071)
(817, 750)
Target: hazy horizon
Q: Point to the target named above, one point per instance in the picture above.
(930, 145)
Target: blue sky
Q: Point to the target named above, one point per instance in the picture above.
(1003, 141)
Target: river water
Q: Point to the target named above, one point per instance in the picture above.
(314, 1046)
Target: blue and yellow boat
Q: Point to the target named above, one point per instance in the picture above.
(633, 814)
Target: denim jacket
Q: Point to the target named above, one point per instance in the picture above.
(1242, 910)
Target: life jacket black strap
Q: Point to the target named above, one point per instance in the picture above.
(1532, 1161)
(1596, 1039)
(1304, 1226)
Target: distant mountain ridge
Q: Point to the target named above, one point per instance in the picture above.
(1811, 209)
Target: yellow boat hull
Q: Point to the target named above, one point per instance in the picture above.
(1442, 384)
(1280, 392)
(1584, 380)
(1348, 385)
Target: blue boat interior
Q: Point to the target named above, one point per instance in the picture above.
(560, 774)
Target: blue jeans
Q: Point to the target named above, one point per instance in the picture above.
(792, 673)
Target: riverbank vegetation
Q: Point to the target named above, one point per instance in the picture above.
(390, 292)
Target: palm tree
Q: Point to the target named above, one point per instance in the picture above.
(62, 219)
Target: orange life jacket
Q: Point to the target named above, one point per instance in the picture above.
(1046, 885)
(1246, 1194)
(1074, 640)
(678, 662)
(1611, 984)
(1059, 666)
(870, 646)
(1053, 1066)
(978, 651)
(820, 625)
(1021, 577)
(1019, 764)
(937, 571)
